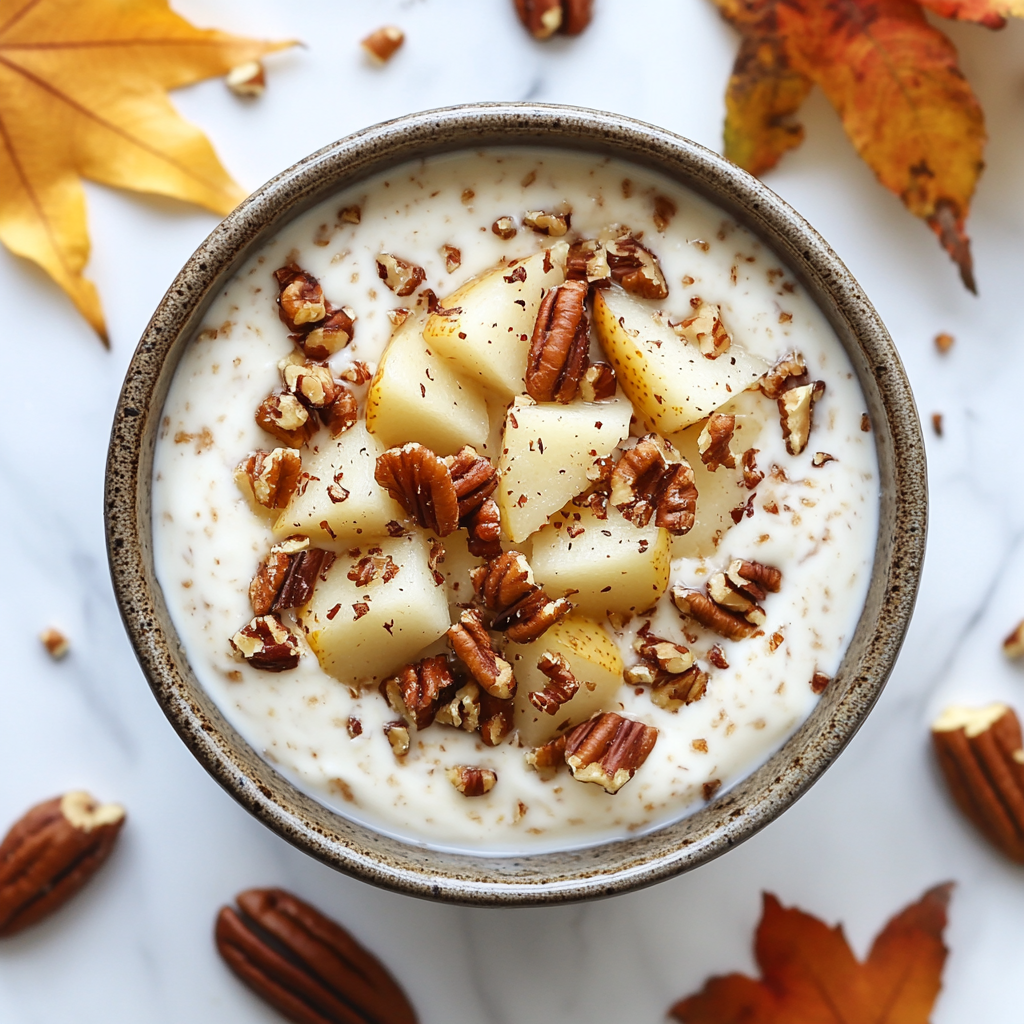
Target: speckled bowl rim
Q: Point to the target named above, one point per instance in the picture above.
(546, 878)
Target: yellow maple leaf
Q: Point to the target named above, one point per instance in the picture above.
(83, 95)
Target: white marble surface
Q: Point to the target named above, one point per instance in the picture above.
(871, 836)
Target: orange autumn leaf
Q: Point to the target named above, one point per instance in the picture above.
(83, 95)
(990, 13)
(810, 975)
(894, 80)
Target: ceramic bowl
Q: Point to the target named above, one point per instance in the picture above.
(613, 867)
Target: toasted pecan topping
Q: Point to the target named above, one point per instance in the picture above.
(598, 383)
(342, 413)
(705, 330)
(313, 384)
(370, 567)
(267, 644)
(788, 372)
(266, 584)
(726, 595)
(300, 298)
(285, 418)
(700, 607)
(330, 336)
(418, 691)
(422, 484)
(686, 688)
(668, 668)
(608, 750)
(562, 687)
(550, 755)
(398, 736)
(635, 267)
(543, 18)
(357, 372)
(595, 497)
(664, 211)
(484, 527)
(717, 657)
(497, 717)
(587, 261)
(554, 224)
(56, 643)
(474, 477)
(819, 682)
(752, 476)
(644, 483)
(796, 408)
(713, 443)
(472, 644)
(471, 781)
(271, 476)
(521, 608)
(754, 578)
(402, 277)
(561, 340)
(462, 709)
(504, 228)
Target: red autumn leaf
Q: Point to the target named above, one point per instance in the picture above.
(810, 975)
(892, 77)
(990, 13)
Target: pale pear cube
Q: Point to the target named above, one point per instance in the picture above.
(488, 340)
(416, 395)
(671, 382)
(341, 500)
(595, 662)
(612, 564)
(546, 452)
(362, 634)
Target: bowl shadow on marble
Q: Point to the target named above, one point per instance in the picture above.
(610, 868)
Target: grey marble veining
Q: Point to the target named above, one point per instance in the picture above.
(136, 945)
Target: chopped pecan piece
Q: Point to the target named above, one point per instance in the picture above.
(419, 690)
(266, 643)
(266, 584)
(471, 781)
(462, 710)
(331, 336)
(300, 298)
(521, 608)
(561, 341)
(313, 384)
(587, 261)
(705, 330)
(402, 277)
(668, 668)
(819, 682)
(635, 267)
(350, 215)
(305, 965)
(722, 591)
(474, 477)
(670, 658)
(369, 568)
(686, 688)
(788, 372)
(504, 228)
(56, 643)
(796, 407)
(701, 608)
(553, 224)
(472, 644)
(562, 688)
(543, 18)
(271, 476)
(357, 373)
(752, 476)
(50, 853)
(382, 44)
(595, 497)
(397, 734)
(664, 211)
(754, 578)
(550, 755)
(452, 258)
(484, 527)
(717, 657)
(422, 484)
(497, 717)
(285, 418)
(980, 752)
(608, 750)
(342, 413)
(653, 479)
(598, 383)
(1013, 645)
(818, 459)
(713, 443)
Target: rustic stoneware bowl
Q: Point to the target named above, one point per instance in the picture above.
(609, 868)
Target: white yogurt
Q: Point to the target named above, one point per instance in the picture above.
(208, 541)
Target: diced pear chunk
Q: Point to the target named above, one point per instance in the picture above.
(361, 634)
(489, 338)
(546, 452)
(671, 383)
(341, 500)
(595, 662)
(416, 395)
(612, 564)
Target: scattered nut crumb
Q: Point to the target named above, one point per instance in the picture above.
(504, 228)
(382, 44)
(820, 458)
(819, 681)
(1013, 645)
(55, 642)
(247, 80)
(937, 423)
(350, 215)
(865, 423)
(944, 342)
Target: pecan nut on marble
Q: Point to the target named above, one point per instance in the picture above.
(419, 690)
(522, 610)
(471, 781)
(561, 341)
(560, 689)
(471, 643)
(982, 758)
(305, 965)
(608, 750)
(50, 853)
(543, 18)
(635, 267)
(421, 483)
(268, 644)
(652, 479)
(271, 476)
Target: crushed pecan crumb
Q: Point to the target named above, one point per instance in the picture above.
(421, 483)
(819, 681)
(452, 258)
(717, 657)
(55, 642)
(608, 749)
(820, 458)
(944, 342)
(553, 224)
(664, 211)
(504, 228)
(752, 476)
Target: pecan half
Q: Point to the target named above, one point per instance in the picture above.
(561, 341)
(550, 755)
(608, 749)
(543, 18)
(484, 526)
(700, 607)
(342, 413)
(471, 781)
(980, 752)
(271, 476)
(267, 644)
(472, 644)
(705, 330)
(402, 277)
(796, 409)
(1013, 645)
(474, 477)
(562, 688)
(553, 224)
(382, 44)
(419, 690)
(304, 964)
(754, 578)
(598, 383)
(330, 336)
(422, 484)
(587, 261)
(313, 384)
(50, 853)
(521, 608)
(635, 267)
(713, 443)
(734, 599)
(644, 483)
(300, 298)
(285, 418)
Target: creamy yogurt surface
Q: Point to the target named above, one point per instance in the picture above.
(813, 518)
